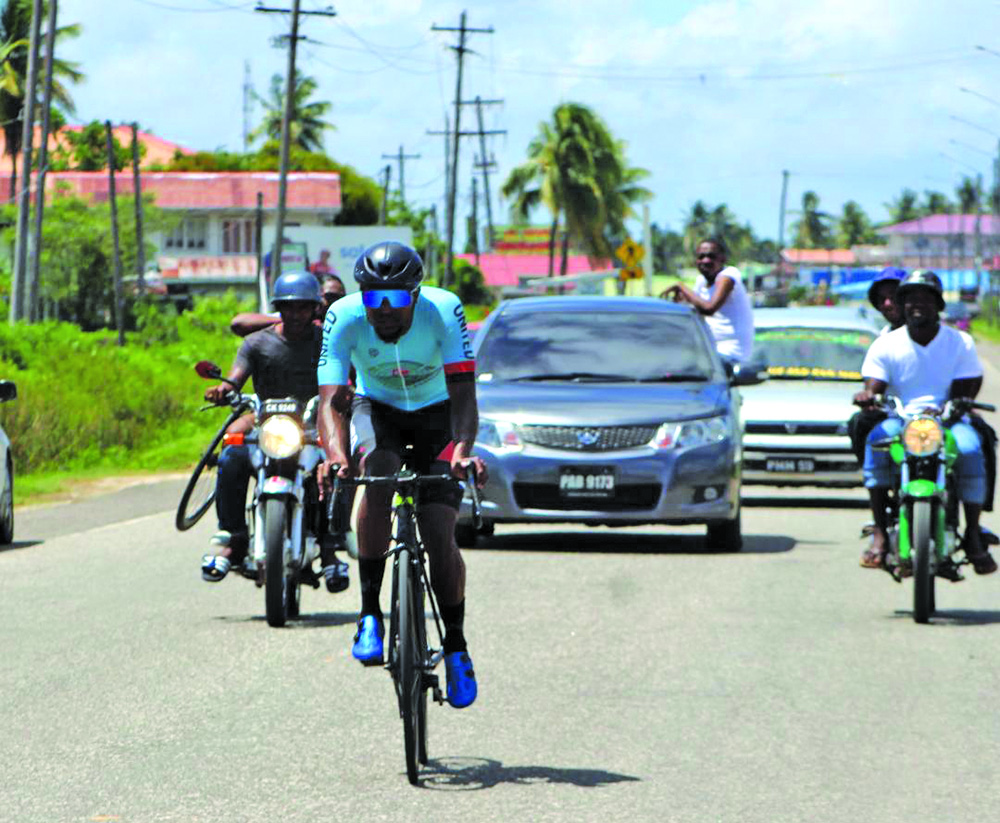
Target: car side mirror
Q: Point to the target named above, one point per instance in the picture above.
(8, 390)
(746, 374)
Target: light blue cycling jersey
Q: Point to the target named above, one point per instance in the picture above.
(410, 373)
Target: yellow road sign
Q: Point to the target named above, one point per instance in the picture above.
(630, 273)
(630, 253)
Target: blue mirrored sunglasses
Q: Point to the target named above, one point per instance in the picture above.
(398, 298)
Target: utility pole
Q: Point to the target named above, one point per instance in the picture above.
(401, 159)
(460, 51)
(275, 272)
(43, 162)
(486, 165)
(22, 238)
(119, 295)
(140, 248)
(387, 171)
(258, 230)
(781, 223)
(247, 105)
(474, 222)
(431, 250)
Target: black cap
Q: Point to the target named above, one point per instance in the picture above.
(923, 279)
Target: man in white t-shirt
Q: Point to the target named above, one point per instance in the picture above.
(924, 364)
(720, 297)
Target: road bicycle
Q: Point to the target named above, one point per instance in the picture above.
(410, 659)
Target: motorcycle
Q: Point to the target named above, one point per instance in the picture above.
(923, 514)
(283, 513)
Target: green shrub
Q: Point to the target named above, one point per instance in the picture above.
(84, 402)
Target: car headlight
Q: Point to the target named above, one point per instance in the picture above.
(280, 436)
(498, 434)
(692, 433)
(922, 436)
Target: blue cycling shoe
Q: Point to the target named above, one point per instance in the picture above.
(462, 687)
(368, 641)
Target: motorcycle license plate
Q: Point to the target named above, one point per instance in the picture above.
(587, 481)
(796, 465)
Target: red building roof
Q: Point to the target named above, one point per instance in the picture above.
(505, 269)
(209, 190)
(819, 257)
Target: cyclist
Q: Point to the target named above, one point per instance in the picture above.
(281, 359)
(415, 388)
(925, 363)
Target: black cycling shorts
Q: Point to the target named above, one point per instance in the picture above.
(417, 437)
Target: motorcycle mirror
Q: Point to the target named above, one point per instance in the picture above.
(208, 370)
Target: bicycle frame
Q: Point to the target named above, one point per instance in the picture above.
(410, 659)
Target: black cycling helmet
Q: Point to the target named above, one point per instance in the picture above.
(300, 286)
(888, 273)
(921, 279)
(389, 265)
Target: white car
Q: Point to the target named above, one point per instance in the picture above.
(796, 422)
(8, 391)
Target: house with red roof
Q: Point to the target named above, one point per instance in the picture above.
(946, 241)
(214, 236)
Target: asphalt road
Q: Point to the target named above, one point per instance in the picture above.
(624, 675)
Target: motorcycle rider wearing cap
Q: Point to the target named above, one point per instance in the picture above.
(415, 387)
(925, 363)
(281, 359)
(882, 296)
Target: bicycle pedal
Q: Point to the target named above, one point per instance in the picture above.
(431, 682)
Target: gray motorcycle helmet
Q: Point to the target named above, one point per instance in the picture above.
(296, 286)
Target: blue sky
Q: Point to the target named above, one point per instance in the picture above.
(715, 98)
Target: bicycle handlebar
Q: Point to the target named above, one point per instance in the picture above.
(404, 477)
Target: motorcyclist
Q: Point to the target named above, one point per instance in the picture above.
(281, 358)
(924, 364)
(882, 296)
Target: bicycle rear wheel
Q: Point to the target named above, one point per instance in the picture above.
(199, 494)
(411, 653)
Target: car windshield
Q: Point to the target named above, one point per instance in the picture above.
(813, 353)
(594, 346)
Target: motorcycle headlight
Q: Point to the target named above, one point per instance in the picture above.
(922, 436)
(280, 436)
(498, 434)
(692, 433)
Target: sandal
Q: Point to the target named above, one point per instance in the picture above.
(214, 567)
(871, 559)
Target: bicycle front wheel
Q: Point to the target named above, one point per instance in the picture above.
(411, 653)
(199, 494)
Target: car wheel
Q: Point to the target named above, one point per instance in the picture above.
(726, 535)
(466, 535)
(7, 507)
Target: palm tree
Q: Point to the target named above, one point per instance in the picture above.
(904, 207)
(970, 195)
(854, 226)
(15, 31)
(307, 126)
(578, 171)
(936, 203)
(703, 223)
(812, 231)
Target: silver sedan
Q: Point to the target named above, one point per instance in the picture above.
(607, 411)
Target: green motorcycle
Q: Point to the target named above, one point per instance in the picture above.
(924, 514)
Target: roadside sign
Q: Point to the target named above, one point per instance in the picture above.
(630, 273)
(630, 253)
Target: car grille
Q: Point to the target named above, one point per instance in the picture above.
(547, 496)
(795, 428)
(587, 438)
